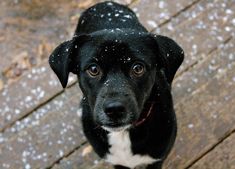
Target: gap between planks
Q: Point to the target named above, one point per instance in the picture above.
(67, 155)
(176, 14)
(227, 135)
(37, 107)
(201, 59)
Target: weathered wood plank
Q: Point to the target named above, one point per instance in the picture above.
(158, 11)
(197, 77)
(33, 89)
(29, 31)
(206, 116)
(33, 119)
(82, 158)
(184, 16)
(201, 132)
(221, 157)
(102, 165)
(204, 33)
(192, 13)
(44, 136)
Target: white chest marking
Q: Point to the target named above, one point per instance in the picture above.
(121, 154)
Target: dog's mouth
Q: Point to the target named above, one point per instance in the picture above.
(115, 126)
(144, 116)
(116, 129)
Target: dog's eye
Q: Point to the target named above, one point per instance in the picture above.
(93, 70)
(137, 70)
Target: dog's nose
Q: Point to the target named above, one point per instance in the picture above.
(114, 109)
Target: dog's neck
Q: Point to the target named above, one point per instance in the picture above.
(144, 116)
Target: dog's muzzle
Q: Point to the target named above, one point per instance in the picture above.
(115, 114)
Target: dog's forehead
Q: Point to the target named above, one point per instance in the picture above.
(123, 35)
(122, 47)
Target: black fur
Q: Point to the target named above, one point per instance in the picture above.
(109, 35)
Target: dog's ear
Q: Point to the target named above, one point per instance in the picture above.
(62, 58)
(171, 55)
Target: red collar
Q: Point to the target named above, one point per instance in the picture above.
(142, 120)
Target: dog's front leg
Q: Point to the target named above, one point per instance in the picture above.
(157, 165)
(120, 167)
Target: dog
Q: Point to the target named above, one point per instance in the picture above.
(125, 74)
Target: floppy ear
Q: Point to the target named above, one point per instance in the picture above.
(171, 55)
(62, 58)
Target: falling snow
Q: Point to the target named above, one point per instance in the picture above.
(56, 126)
(151, 23)
(190, 126)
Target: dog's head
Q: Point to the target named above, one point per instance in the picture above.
(117, 71)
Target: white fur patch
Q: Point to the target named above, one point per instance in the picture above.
(121, 154)
(116, 129)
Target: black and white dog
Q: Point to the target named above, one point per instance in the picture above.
(125, 74)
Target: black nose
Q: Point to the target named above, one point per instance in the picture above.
(114, 109)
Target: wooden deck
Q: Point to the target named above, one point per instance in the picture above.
(40, 122)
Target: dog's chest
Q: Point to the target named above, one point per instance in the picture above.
(120, 152)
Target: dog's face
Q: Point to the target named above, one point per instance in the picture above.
(116, 71)
(116, 76)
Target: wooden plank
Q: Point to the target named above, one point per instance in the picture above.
(202, 131)
(158, 11)
(204, 33)
(82, 158)
(189, 14)
(33, 89)
(86, 4)
(124, 2)
(192, 81)
(102, 165)
(33, 119)
(221, 157)
(206, 116)
(45, 136)
(32, 28)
